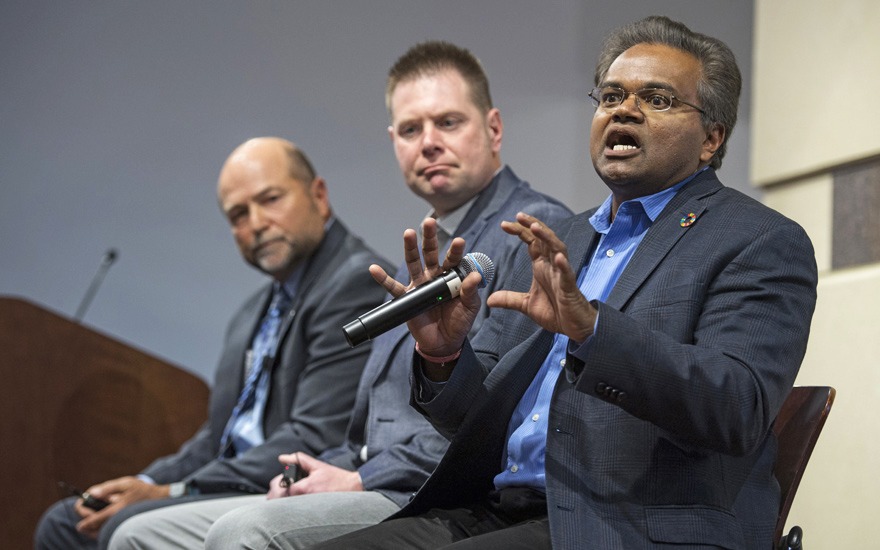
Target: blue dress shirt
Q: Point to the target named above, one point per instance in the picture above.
(527, 431)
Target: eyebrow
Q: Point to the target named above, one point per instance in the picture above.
(259, 196)
(646, 85)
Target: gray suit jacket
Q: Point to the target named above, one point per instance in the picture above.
(314, 377)
(402, 446)
(663, 435)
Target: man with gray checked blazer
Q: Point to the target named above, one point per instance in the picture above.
(673, 319)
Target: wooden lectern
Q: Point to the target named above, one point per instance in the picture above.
(80, 407)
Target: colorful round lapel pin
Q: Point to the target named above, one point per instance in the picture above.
(688, 220)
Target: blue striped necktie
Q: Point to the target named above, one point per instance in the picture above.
(262, 351)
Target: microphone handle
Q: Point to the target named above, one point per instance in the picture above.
(403, 308)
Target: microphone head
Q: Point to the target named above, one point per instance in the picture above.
(482, 264)
(110, 255)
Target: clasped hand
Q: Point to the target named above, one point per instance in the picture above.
(320, 477)
(119, 492)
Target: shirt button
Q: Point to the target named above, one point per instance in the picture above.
(562, 363)
(514, 468)
(609, 253)
(536, 417)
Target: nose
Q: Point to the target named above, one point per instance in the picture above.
(258, 219)
(628, 109)
(431, 140)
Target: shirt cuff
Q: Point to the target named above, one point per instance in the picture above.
(581, 350)
(427, 389)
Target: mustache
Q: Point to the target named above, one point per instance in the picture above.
(261, 241)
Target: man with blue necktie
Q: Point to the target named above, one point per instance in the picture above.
(287, 378)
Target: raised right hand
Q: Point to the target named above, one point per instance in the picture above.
(440, 331)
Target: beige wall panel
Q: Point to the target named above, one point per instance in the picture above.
(837, 501)
(816, 72)
(809, 203)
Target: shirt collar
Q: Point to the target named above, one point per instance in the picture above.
(652, 205)
(450, 222)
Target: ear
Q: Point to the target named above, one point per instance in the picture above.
(318, 192)
(715, 136)
(496, 129)
(391, 132)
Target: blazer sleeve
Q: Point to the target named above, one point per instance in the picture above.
(711, 358)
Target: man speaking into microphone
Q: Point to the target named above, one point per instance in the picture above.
(446, 136)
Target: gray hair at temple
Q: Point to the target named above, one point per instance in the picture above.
(429, 58)
(720, 83)
(300, 167)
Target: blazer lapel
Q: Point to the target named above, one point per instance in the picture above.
(333, 239)
(663, 235)
(580, 239)
(486, 206)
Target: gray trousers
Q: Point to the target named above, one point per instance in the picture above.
(253, 522)
(57, 528)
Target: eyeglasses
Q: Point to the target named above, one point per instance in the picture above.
(656, 99)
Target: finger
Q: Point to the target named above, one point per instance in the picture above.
(513, 228)
(103, 490)
(541, 232)
(308, 463)
(392, 286)
(81, 509)
(412, 257)
(522, 228)
(469, 291)
(454, 254)
(560, 261)
(507, 299)
(92, 524)
(430, 245)
(287, 459)
(275, 488)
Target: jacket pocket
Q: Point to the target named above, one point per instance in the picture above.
(695, 525)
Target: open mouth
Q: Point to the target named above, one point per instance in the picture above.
(622, 141)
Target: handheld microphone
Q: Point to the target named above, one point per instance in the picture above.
(109, 258)
(418, 300)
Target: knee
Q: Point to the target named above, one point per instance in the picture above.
(57, 527)
(128, 535)
(235, 529)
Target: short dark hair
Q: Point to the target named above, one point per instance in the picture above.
(720, 82)
(428, 58)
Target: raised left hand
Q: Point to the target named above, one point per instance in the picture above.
(554, 300)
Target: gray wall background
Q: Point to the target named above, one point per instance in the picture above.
(115, 117)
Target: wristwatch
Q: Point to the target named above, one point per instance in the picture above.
(179, 489)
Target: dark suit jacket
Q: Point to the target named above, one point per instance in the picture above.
(402, 446)
(662, 436)
(314, 377)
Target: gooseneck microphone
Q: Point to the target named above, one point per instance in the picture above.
(418, 300)
(109, 257)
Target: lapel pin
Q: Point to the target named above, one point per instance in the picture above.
(688, 220)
